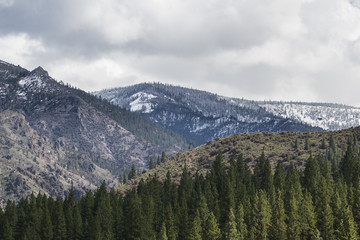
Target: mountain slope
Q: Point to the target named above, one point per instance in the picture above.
(87, 128)
(30, 162)
(284, 147)
(199, 115)
(324, 115)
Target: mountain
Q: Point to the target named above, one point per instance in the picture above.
(88, 137)
(327, 116)
(283, 147)
(199, 115)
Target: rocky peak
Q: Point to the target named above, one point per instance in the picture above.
(39, 71)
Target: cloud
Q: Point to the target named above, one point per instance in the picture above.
(292, 50)
(19, 48)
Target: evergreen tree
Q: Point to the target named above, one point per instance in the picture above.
(132, 216)
(125, 178)
(278, 225)
(293, 218)
(262, 215)
(196, 229)
(59, 226)
(164, 157)
(212, 231)
(133, 172)
(308, 218)
(7, 232)
(279, 177)
(324, 213)
(163, 234)
(46, 228)
(151, 163)
(230, 231)
(241, 225)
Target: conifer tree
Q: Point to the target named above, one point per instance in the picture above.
(293, 218)
(132, 216)
(163, 234)
(125, 178)
(278, 225)
(212, 231)
(196, 229)
(170, 223)
(151, 163)
(230, 231)
(7, 232)
(347, 228)
(308, 218)
(59, 226)
(262, 215)
(241, 225)
(279, 177)
(46, 229)
(133, 172)
(164, 157)
(324, 213)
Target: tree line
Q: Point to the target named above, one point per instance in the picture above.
(231, 201)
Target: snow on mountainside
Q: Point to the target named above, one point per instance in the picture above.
(325, 116)
(198, 115)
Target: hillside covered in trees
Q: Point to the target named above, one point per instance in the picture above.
(230, 202)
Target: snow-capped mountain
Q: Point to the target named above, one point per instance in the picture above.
(203, 116)
(324, 115)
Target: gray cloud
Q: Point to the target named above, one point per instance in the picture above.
(291, 50)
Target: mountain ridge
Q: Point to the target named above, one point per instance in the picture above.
(98, 137)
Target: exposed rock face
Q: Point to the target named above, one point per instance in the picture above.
(30, 162)
(66, 137)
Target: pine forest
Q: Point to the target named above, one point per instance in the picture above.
(230, 202)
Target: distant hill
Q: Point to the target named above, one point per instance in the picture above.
(203, 116)
(98, 140)
(284, 147)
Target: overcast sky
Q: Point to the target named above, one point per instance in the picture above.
(306, 50)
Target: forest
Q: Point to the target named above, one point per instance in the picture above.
(232, 201)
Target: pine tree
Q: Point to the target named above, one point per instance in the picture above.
(241, 225)
(308, 218)
(133, 172)
(132, 216)
(7, 233)
(78, 226)
(262, 215)
(347, 228)
(230, 231)
(163, 234)
(59, 226)
(324, 213)
(293, 218)
(151, 163)
(196, 229)
(278, 226)
(46, 227)
(164, 157)
(279, 177)
(125, 178)
(212, 231)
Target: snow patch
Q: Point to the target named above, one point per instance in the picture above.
(34, 81)
(140, 102)
(331, 117)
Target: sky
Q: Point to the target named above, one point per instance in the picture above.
(298, 50)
